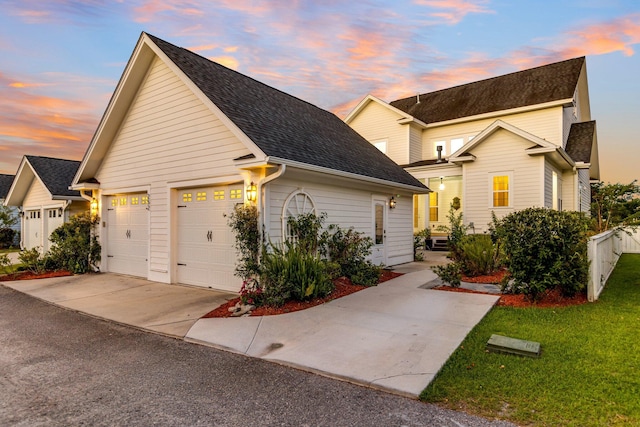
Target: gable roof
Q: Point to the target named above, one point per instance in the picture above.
(547, 83)
(5, 185)
(580, 141)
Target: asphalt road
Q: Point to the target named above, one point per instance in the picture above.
(61, 368)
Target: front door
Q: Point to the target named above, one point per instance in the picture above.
(378, 252)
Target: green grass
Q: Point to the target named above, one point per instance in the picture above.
(7, 251)
(588, 374)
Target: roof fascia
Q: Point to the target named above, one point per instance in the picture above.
(343, 174)
(19, 187)
(370, 98)
(491, 114)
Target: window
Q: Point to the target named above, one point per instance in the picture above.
(114, 202)
(433, 207)
(298, 203)
(236, 193)
(381, 145)
(456, 144)
(416, 211)
(218, 195)
(144, 200)
(135, 200)
(201, 196)
(500, 190)
(123, 201)
(187, 197)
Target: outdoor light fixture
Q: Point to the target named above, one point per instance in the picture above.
(94, 206)
(392, 203)
(441, 183)
(252, 192)
(59, 212)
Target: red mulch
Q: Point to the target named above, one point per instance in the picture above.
(343, 287)
(489, 278)
(552, 298)
(27, 275)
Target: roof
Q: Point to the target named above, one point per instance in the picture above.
(547, 83)
(5, 185)
(283, 126)
(580, 141)
(55, 174)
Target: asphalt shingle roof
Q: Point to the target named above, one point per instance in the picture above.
(523, 88)
(5, 185)
(56, 174)
(580, 141)
(282, 125)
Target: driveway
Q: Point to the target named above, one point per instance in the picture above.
(394, 336)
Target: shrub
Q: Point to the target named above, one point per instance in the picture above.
(544, 249)
(347, 247)
(305, 231)
(244, 223)
(291, 273)
(32, 260)
(5, 263)
(366, 274)
(479, 254)
(6, 237)
(456, 231)
(420, 242)
(75, 246)
(450, 273)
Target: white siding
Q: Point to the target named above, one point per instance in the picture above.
(415, 144)
(545, 124)
(585, 193)
(168, 134)
(568, 118)
(376, 122)
(569, 190)
(36, 196)
(502, 152)
(347, 208)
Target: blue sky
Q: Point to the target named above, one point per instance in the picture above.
(61, 59)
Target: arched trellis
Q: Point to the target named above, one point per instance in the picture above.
(298, 203)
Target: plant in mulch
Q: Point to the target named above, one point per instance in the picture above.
(5, 263)
(33, 261)
(450, 273)
(75, 245)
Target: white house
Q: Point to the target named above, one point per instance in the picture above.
(498, 145)
(41, 189)
(181, 141)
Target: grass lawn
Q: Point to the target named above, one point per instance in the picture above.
(6, 251)
(588, 374)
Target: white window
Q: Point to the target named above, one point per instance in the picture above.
(298, 203)
(381, 145)
(456, 144)
(236, 194)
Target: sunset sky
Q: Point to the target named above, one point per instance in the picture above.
(60, 60)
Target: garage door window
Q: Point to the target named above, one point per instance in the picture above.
(218, 195)
(201, 196)
(187, 197)
(236, 194)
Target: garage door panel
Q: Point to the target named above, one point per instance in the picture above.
(128, 234)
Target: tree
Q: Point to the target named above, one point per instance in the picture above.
(8, 218)
(614, 205)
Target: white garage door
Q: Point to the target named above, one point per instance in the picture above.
(33, 229)
(128, 234)
(206, 255)
(54, 219)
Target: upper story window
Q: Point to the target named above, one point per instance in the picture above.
(381, 145)
(456, 144)
(450, 145)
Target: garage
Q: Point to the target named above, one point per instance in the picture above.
(33, 228)
(205, 243)
(54, 219)
(128, 234)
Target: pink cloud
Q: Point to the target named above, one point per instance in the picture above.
(454, 11)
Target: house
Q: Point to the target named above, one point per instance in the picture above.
(41, 190)
(494, 146)
(5, 184)
(183, 139)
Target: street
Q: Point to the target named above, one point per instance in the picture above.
(61, 368)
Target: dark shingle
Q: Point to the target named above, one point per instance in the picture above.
(538, 85)
(580, 141)
(282, 125)
(5, 185)
(56, 174)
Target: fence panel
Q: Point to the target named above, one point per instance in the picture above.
(604, 250)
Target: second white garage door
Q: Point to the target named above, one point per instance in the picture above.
(206, 255)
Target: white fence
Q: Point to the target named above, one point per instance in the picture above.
(604, 251)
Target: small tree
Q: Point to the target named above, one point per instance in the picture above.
(75, 245)
(8, 219)
(244, 223)
(614, 205)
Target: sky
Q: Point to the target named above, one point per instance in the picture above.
(60, 60)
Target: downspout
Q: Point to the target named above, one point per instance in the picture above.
(281, 169)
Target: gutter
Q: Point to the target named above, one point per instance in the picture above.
(281, 170)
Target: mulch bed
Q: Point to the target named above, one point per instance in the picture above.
(343, 287)
(488, 278)
(551, 298)
(28, 275)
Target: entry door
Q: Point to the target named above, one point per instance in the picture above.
(378, 252)
(128, 234)
(205, 243)
(33, 225)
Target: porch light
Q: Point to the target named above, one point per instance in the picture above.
(441, 183)
(59, 212)
(252, 192)
(392, 203)
(94, 206)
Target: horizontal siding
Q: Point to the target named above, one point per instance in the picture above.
(168, 134)
(415, 144)
(502, 152)
(545, 124)
(568, 190)
(376, 122)
(37, 195)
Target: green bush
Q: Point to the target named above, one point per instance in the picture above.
(544, 249)
(6, 237)
(366, 274)
(347, 247)
(244, 223)
(75, 246)
(291, 273)
(305, 231)
(450, 273)
(5, 263)
(479, 255)
(32, 260)
(420, 242)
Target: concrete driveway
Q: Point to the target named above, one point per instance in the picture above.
(395, 336)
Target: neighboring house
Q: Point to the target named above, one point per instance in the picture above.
(41, 190)
(182, 140)
(5, 185)
(498, 145)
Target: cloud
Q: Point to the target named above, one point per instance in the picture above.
(454, 11)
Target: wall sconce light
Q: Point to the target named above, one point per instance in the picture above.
(441, 187)
(392, 203)
(59, 212)
(21, 213)
(252, 192)
(94, 206)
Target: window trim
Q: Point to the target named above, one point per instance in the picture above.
(509, 191)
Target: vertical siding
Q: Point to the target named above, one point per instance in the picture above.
(376, 122)
(168, 134)
(502, 152)
(585, 193)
